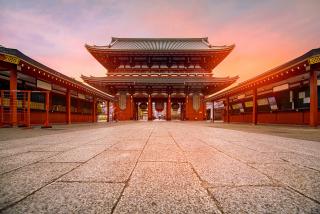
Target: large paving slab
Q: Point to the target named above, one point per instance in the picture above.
(157, 167)
(74, 197)
(18, 184)
(165, 188)
(109, 166)
(262, 199)
(302, 179)
(16, 161)
(218, 169)
(79, 154)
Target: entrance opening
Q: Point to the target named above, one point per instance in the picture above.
(159, 111)
(176, 111)
(142, 111)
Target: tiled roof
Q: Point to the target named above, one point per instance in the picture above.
(159, 80)
(288, 65)
(27, 59)
(160, 44)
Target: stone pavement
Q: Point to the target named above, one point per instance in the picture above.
(159, 167)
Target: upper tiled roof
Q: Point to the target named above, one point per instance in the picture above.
(160, 44)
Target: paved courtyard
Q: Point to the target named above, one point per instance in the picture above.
(158, 167)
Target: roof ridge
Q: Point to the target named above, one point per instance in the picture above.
(158, 38)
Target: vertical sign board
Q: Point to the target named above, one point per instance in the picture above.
(196, 102)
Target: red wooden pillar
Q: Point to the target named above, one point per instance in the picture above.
(254, 107)
(186, 108)
(204, 108)
(132, 108)
(1, 103)
(46, 122)
(28, 109)
(13, 97)
(227, 110)
(94, 110)
(213, 111)
(169, 107)
(149, 108)
(108, 110)
(313, 99)
(68, 107)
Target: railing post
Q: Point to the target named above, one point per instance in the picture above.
(213, 111)
(169, 107)
(94, 117)
(254, 107)
(2, 108)
(68, 107)
(149, 107)
(13, 97)
(108, 111)
(228, 113)
(46, 123)
(28, 109)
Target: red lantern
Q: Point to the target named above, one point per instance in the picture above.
(143, 106)
(175, 106)
(159, 106)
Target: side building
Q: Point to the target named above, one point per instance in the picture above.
(32, 93)
(287, 94)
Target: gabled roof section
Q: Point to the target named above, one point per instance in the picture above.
(269, 76)
(68, 80)
(160, 44)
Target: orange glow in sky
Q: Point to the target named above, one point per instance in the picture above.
(266, 33)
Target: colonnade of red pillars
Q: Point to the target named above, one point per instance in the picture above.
(313, 119)
(13, 104)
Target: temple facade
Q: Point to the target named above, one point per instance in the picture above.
(159, 78)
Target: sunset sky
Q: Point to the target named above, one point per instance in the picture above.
(266, 33)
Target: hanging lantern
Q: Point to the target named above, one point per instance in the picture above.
(159, 106)
(175, 106)
(143, 106)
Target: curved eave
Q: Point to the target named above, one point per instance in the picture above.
(29, 64)
(292, 67)
(108, 49)
(213, 80)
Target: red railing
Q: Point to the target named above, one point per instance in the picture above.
(16, 105)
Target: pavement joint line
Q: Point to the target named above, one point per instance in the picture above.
(51, 181)
(233, 143)
(297, 191)
(79, 162)
(17, 154)
(42, 160)
(163, 161)
(296, 164)
(69, 129)
(216, 202)
(98, 182)
(241, 161)
(1, 174)
(129, 178)
(245, 185)
(275, 181)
